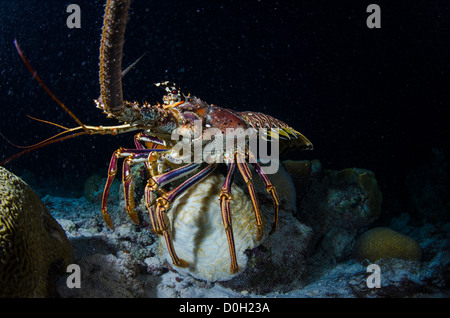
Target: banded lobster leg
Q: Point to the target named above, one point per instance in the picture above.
(247, 175)
(154, 165)
(224, 199)
(270, 189)
(132, 156)
(154, 185)
(163, 204)
(273, 193)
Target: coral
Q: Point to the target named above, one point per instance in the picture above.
(199, 235)
(335, 204)
(33, 245)
(382, 242)
(348, 199)
(367, 182)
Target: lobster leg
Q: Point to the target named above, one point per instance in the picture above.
(271, 190)
(144, 141)
(224, 199)
(128, 188)
(112, 170)
(163, 204)
(155, 183)
(247, 175)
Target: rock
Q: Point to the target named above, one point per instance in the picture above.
(93, 188)
(382, 242)
(303, 168)
(348, 199)
(68, 225)
(301, 171)
(173, 285)
(336, 205)
(93, 192)
(400, 223)
(279, 263)
(336, 245)
(155, 265)
(398, 278)
(34, 248)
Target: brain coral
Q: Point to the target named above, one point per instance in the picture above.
(382, 242)
(198, 231)
(32, 244)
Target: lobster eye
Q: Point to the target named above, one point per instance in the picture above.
(175, 92)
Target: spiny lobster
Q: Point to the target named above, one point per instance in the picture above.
(154, 145)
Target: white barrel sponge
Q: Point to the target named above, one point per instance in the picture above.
(199, 235)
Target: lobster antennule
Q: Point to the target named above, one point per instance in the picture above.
(125, 71)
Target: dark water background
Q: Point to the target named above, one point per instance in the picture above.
(367, 98)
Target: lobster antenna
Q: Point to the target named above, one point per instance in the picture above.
(43, 141)
(66, 130)
(9, 141)
(38, 79)
(43, 144)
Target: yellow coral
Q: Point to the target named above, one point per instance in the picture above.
(382, 242)
(32, 243)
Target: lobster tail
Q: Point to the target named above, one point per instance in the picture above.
(291, 138)
(111, 45)
(298, 142)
